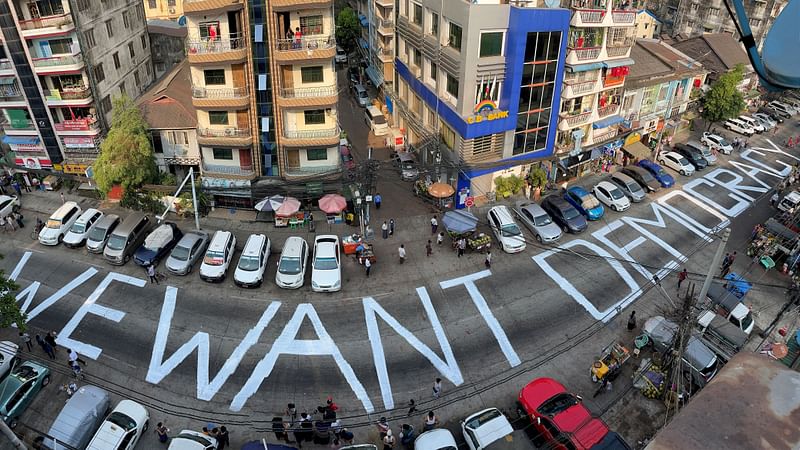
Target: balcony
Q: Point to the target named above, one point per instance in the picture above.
(193, 6)
(11, 95)
(6, 67)
(308, 48)
(607, 110)
(623, 17)
(293, 5)
(302, 97)
(80, 126)
(386, 27)
(385, 3)
(215, 51)
(58, 64)
(605, 136)
(19, 127)
(570, 120)
(72, 96)
(615, 52)
(314, 170)
(46, 26)
(244, 172)
(311, 138)
(590, 16)
(578, 88)
(229, 137)
(586, 53)
(233, 97)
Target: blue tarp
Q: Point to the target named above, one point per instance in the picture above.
(21, 140)
(583, 67)
(374, 76)
(364, 21)
(607, 122)
(363, 43)
(737, 285)
(459, 221)
(618, 63)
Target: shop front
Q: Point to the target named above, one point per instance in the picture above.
(228, 193)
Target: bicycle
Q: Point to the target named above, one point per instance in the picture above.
(36, 230)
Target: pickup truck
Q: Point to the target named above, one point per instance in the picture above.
(725, 301)
(720, 335)
(490, 428)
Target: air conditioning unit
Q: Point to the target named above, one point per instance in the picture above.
(230, 131)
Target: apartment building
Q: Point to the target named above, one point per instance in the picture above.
(720, 53)
(601, 35)
(163, 9)
(302, 45)
(377, 41)
(648, 25)
(61, 64)
(484, 75)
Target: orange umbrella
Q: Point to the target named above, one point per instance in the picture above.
(441, 190)
(332, 203)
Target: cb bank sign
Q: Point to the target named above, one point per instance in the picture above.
(486, 111)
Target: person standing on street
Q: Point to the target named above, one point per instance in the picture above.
(440, 238)
(401, 252)
(385, 230)
(223, 439)
(17, 188)
(391, 227)
(151, 273)
(162, 432)
(50, 338)
(773, 201)
(378, 199)
(682, 277)
(388, 440)
(74, 358)
(462, 245)
(367, 265)
(428, 248)
(632, 321)
(437, 388)
(434, 225)
(488, 261)
(26, 339)
(63, 200)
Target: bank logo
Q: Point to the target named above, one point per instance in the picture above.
(485, 106)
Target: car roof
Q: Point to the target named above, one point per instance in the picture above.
(108, 219)
(191, 237)
(534, 208)
(87, 214)
(293, 244)
(646, 163)
(503, 213)
(220, 240)
(189, 444)
(557, 201)
(253, 245)
(677, 155)
(435, 439)
(623, 177)
(539, 391)
(608, 185)
(491, 430)
(578, 190)
(63, 209)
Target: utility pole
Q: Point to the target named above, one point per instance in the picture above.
(715, 263)
(15, 441)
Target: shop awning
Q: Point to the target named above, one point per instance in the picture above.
(618, 63)
(21, 140)
(607, 122)
(583, 67)
(776, 228)
(363, 43)
(374, 76)
(638, 150)
(364, 21)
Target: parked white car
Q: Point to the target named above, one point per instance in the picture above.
(8, 353)
(436, 439)
(218, 256)
(506, 230)
(7, 203)
(484, 428)
(291, 272)
(77, 234)
(677, 162)
(122, 428)
(717, 142)
(754, 124)
(192, 440)
(611, 196)
(326, 268)
(738, 126)
(252, 262)
(765, 120)
(59, 223)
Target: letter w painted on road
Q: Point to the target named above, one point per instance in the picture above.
(205, 390)
(448, 369)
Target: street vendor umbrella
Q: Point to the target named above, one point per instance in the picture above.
(332, 203)
(271, 203)
(289, 206)
(459, 221)
(441, 190)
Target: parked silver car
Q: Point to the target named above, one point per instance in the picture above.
(187, 252)
(700, 362)
(538, 221)
(628, 186)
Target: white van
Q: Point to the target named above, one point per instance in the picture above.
(782, 107)
(252, 262)
(376, 121)
(754, 124)
(218, 256)
(77, 234)
(789, 202)
(59, 223)
(739, 127)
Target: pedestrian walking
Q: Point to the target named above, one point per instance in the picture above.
(291, 412)
(732, 259)
(383, 427)
(73, 357)
(223, 438)
(77, 372)
(49, 350)
(39, 341)
(391, 227)
(401, 252)
(26, 339)
(440, 238)
(430, 421)
(9, 225)
(151, 273)
(632, 321)
(488, 261)
(462, 245)
(385, 230)
(63, 200)
(434, 225)
(18, 218)
(388, 440)
(726, 259)
(773, 201)
(346, 436)
(377, 199)
(162, 432)
(437, 388)
(367, 265)
(17, 188)
(50, 338)
(428, 248)
(682, 277)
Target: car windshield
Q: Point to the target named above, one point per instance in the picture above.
(542, 220)
(53, 223)
(706, 152)
(379, 120)
(747, 321)
(180, 253)
(634, 187)
(485, 417)
(660, 172)
(570, 213)
(558, 403)
(78, 227)
(723, 142)
(683, 161)
(117, 418)
(289, 265)
(97, 234)
(325, 264)
(116, 242)
(616, 194)
(214, 258)
(249, 263)
(510, 230)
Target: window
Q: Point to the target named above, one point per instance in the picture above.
(88, 36)
(317, 154)
(491, 44)
(417, 57)
(448, 135)
(452, 85)
(48, 8)
(417, 14)
(116, 60)
(83, 5)
(110, 27)
(139, 14)
(144, 42)
(434, 25)
(61, 46)
(214, 77)
(106, 104)
(218, 117)
(152, 4)
(454, 38)
(434, 72)
(223, 153)
(99, 74)
(171, 2)
(130, 49)
(125, 20)
(122, 89)
(136, 79)
(205, 30)
(311, 74)
(149, 68)
(311, 25)
(314, 117)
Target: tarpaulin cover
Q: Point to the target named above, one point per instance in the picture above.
(459, 221)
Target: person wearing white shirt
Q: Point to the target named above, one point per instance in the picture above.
(402, 253)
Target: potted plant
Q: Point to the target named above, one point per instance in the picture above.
(537, 178)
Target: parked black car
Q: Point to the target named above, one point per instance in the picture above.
(777, 116)
(564, 214)
(643, 177)
(693, 155)
(157, 244)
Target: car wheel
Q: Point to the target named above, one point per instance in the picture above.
(539, 238)
(60, 238)
(565, 228)
(46, 380)
(683, 172)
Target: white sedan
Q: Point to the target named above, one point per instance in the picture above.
(8, 353)
(677, 162)
(717, 142)
(326, 267)
(436, 439)
(123, 428)
(7, 204)
(192, 440)
(611, 196)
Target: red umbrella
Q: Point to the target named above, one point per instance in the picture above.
(332, 203)
(289, 207)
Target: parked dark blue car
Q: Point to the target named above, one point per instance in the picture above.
(658, 173)
(584, 202)
(157, 244)
(564, 214)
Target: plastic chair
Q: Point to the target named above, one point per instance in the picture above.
(767, 262)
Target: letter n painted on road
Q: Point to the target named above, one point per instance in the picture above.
(448, 368)
(287, 344)
(564, 284)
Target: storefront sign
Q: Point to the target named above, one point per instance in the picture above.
(74, 125)
(26, 147)
(633, 137)
(76, 169)
(486, 110)
(33, 163)
(224, 183)
(79, 142)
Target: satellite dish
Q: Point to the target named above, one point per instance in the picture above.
(778, 53)
(552, 3)
(182, 21)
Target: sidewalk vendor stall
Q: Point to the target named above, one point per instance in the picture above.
(350, 243)
(772, 244)
(610, 361)
(439, 194)
(462, 224)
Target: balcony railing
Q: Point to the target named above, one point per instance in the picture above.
(614, 52)
(77, 125)
(607, 136)
(592, 16)
(588, 4)
(626, 41)
(206, 46)
(307, 43)
(584, 54)
(229, 170)
(223, 132)
(303, 134)
(314, 170)
(582, 87)
(234, 92)
(10, 91)
(306, 92)
(576, 119)
(46, 22)
(5, 64)
(386, 24)
(61, 60)
(74, 93)
(623, 17)
(607, 110)
(18, 125)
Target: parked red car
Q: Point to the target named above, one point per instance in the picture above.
(563, 421)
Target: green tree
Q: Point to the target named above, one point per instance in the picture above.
(348, 29)
(9, 308)
(724, 100)
(126, 156)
